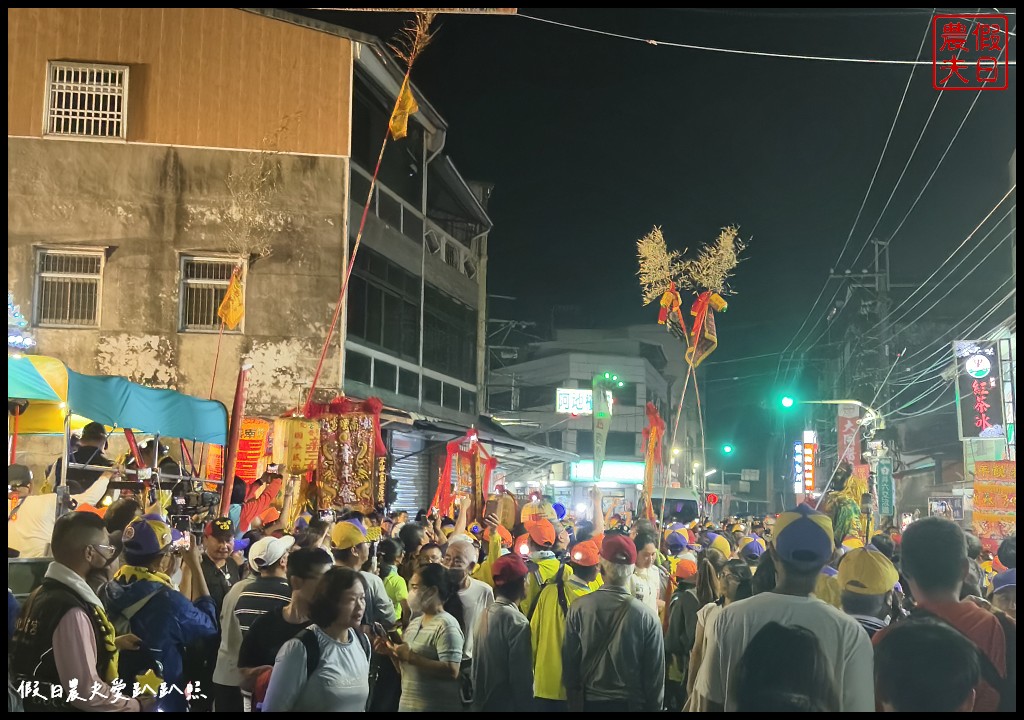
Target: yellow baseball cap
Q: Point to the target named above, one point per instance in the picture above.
(866, 571)
(347, 535)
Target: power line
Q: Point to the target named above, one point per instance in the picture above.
(860, 211)
(952, 255)
(732, 51)
(913, 152)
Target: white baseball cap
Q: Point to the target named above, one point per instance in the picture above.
(268, 550)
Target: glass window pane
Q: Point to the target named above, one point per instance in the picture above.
(431, 390)
(374, 315)
(392, 330)
(357, 306)
(385, 375)
(410, 331)
(408, 383)
(357, 367)
(469, 402)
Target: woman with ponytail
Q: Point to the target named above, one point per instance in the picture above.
(430, 657)
(734, 579)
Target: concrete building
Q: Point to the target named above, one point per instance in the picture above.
(151, 152)
(524, 398)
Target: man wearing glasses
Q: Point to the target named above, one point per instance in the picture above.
(63, 637)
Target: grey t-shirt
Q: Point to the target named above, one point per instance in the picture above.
(340, 682)
(439, 639)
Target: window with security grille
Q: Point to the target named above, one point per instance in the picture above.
(68, 288)
(204, 281)
(86, 100)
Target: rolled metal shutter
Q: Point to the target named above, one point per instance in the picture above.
(410, 469)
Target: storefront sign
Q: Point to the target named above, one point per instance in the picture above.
(979, 390)
(995, 501)
(848, 427)
(886, 487)
(574, 401)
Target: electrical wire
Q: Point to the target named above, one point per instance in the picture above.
(955, 285)
(951, 255)
(920, 137)
(860, 210)
(943, 363)
(732, 51)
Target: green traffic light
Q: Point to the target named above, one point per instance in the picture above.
(607, 376)
(622, 384)
(727, 449)
(788, 402)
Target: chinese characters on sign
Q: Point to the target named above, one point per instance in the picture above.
(995, 501)
(574, 401)
(252, 446)
(849, 433)
(810, 450)
(886, 487)
(969, 52)
(979, 390)
(296, 444)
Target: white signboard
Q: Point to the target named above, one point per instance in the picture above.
(750, 475)
(574, 401)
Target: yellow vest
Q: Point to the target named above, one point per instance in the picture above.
(547, 631)
(546, 568)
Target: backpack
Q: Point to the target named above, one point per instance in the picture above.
(133, 662)
(307, 637)
(1005, 686)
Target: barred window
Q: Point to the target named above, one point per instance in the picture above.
(68, 285)
(203, 284)
(451, 255)
(86, 100)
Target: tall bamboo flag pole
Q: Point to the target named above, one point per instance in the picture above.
(414, 38)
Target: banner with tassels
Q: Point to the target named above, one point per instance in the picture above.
(654, 435)
(351, 447)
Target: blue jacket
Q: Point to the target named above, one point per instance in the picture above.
(166, 623)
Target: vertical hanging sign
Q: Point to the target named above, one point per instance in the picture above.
(979, 390)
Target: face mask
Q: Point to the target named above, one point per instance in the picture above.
(414, 601)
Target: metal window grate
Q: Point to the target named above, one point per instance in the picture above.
(203, 284)
(86, 100)
(68, 288)
(451, 255)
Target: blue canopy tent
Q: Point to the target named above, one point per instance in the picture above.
(117, 402)
(56, 393)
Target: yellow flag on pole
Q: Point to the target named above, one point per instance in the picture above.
(406, 106)
(232, 307)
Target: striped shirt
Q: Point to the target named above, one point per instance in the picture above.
(260, 597)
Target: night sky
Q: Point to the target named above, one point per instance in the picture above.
(591, 140)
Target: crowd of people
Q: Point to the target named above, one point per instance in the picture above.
(345, 611)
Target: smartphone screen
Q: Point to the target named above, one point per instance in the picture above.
(492, 507)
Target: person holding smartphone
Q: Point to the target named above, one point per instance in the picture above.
(164, 619)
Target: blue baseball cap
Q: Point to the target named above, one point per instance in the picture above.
(144, 538)
(803, 537)
(1004, 581)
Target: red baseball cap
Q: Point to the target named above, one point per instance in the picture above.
(507, 569)
(618, 549)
